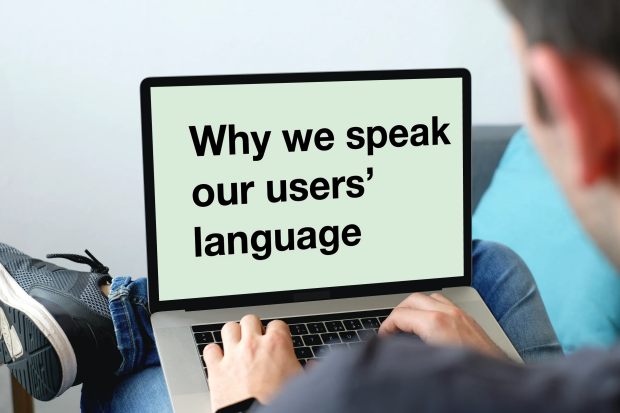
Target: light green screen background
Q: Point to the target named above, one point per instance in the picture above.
(411, 214)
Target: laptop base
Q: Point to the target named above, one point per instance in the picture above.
(184, 373)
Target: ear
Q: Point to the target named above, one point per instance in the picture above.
(581, 109)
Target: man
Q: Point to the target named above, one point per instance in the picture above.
(570, 53)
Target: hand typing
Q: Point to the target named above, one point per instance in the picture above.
(436, 320)
(257, 362)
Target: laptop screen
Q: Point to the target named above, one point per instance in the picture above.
(307, 185)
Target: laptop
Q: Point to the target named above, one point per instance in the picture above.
(320, 199)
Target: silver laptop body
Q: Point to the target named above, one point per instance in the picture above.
(189, 287)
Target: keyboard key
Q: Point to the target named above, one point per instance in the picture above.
(198, 329)
(312, 340)
(330, 338)
(349, 336)
(298, 329)
(313, 319)
(201, 347)
(302, 362)
(297, 341)
(204, 364)
(303, 352)
(353, 324)
(339, 347)
(334, 326)
(382, 319)
(366, 335)
(202, 338)
(370, 322)
(217, 336)
(356, 345)
(321, 351)
(207, 327)
(316, 328)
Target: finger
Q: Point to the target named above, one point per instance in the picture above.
(421, 301)
(212, 354)
(231, 334)
(407, 320)
(442, 299)
(278, 325)
(251, 326)
(311, 364)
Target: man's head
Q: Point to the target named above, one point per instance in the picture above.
(570, 51)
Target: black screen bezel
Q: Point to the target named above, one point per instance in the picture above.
(280, 297)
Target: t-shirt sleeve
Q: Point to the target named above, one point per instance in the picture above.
(398, 375)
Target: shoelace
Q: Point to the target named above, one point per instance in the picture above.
(95, 265)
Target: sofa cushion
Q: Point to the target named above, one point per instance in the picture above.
(525, 210)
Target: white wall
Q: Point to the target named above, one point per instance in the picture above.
(70, 143)
(68, 403)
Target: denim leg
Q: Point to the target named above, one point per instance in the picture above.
(142, 391)
(507, 287)
(132, 324)
(138, 385)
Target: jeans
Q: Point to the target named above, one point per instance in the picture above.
(499, 275)
(138, 385)
(507, 287)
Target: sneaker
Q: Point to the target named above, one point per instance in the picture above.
(56, 329)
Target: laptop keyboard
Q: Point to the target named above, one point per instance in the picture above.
(314, 337)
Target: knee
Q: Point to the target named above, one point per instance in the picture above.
(495, 260)
(495, 253)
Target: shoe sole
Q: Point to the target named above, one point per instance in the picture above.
(32, 344)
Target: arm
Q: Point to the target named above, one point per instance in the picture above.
(398, 375)
(259, 361)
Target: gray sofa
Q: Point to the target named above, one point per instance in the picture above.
(487, 147)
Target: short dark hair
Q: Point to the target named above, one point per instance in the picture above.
(571, 26)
